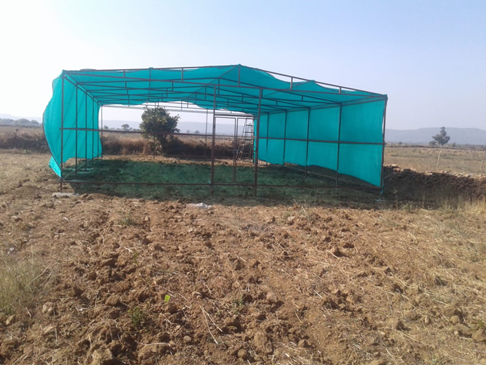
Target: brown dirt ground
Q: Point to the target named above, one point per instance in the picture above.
(251, 281)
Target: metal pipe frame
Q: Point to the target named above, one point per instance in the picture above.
(102, 128)
(302, 93)
(235, 148)
(266, 147)
(189, 110)
(153, 133)
(76, 135)
(277, 101)
(206, 133)
(163, 93)
(237, 99)
(257, 141)
(224, 136)
(382, 177)
(92, 133)
(381, 97)
(285, 140)
(138, 79)
(62, 135)
(307, 144)
(213, 141)
(86, 130)
(124, 71)
(250, 112)
(197, 109)
(338, 146)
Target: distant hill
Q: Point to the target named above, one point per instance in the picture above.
(19, 122)
(16, 117)
(473, 136)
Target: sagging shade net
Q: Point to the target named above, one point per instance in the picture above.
(297, 121)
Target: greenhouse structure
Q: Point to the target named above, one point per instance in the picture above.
(296, 122)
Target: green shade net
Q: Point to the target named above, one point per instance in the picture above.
(71, 107)
(321, 124)
(315, 137)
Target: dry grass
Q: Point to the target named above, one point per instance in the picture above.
(177, 146)
(115, 145)
(20, 282)
(23, 273)
(424, 159)
(31, 139)
(464, 160)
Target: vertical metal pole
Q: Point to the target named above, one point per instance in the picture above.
(93, 127)
(266, 151)
(206, 134)
(102, 127)
(62, 132)
(382, 177)
(285, 139)
(213, 143)
(150, 86)
(257, 142)
(76, 134)
(86, 130)
(339, 143)
(237, 137)
(307, 147)
(235, 148)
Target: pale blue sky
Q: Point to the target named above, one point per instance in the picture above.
(428, 56)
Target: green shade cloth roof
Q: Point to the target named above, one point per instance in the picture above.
(289, 107)
(237, 88)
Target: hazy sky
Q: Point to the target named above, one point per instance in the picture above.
(428, 56)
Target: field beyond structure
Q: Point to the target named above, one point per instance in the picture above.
(466, 160)
(148, 275)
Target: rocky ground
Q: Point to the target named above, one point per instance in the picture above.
(251, 281)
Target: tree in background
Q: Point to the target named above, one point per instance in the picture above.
(125, 127)
(157, 123)
(442, 138)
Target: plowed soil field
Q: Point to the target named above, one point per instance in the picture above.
(338, 278)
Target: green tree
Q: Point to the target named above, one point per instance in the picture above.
(157, 124)
(125, 127)
(441, 138)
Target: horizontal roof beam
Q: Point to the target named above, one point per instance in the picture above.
(132, 79)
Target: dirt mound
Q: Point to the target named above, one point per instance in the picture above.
(411, 184)
(31, 139)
